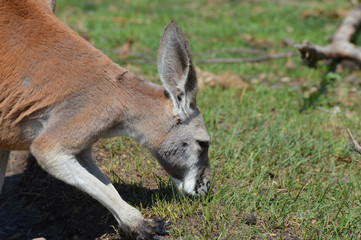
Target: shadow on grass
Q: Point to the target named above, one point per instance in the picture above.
(327, 82)
(35, 204)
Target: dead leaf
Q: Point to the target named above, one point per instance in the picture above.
(123, 20)
(206, 78)
(287, 42)
(285, 79)
(226, 80)
(134, 69)
(281, 190)
(274, 112)
(257, 42)
(339, 13)
(231, 80)
(113, 8)
(310, 92)
(124, 50)
(345, 159)
(289, 63)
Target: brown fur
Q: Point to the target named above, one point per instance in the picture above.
(58, 94)
(44, 64)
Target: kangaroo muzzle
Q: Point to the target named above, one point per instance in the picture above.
(195, 183)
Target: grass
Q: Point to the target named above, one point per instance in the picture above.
(292, 169)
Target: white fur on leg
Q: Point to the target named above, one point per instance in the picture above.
(86, 160)
(4, 158)
(67, 168)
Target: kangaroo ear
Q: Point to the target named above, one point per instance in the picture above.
(176, 70)
(51, 4)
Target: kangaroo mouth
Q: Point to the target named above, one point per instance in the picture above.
(196, 188)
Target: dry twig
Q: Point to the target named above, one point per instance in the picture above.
(287, 2)
(340, 47)
(232, 50)
(356, 147)
(249, 60)
(143, 59)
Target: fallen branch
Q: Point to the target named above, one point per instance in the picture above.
(287, 2)
(120, 52)
(249, 60)
(356, 147)
(145, 59)
(232, 50)
(340, 47)
(150, 59)
(141, 61)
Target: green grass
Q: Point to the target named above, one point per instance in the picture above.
(292, 169)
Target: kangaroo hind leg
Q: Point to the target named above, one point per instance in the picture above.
(147, 225)
(80, 170)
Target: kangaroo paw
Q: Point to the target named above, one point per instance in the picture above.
(150, 229)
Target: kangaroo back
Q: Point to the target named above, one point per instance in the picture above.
(42, 63)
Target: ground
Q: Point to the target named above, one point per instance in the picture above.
(34, 204)
(282, 166)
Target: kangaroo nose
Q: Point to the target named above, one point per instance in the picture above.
(208, 185)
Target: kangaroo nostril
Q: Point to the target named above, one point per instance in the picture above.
(208, 185)
(203, 144)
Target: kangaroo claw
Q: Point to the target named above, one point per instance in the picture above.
(152, 229)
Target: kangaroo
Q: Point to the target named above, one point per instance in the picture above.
(59, 95)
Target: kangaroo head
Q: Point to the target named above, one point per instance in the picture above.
(184, 150)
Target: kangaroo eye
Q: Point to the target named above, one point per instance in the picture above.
(203, 144)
